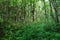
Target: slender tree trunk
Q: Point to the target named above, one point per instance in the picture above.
(56, 11)
(33, 12)
(51, 12)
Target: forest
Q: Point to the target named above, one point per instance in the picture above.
(29, 19)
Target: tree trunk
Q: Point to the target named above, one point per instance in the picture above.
(33, 11)
(56, 11)
(51, 11)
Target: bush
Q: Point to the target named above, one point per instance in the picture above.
(29, 32)
(52, 28)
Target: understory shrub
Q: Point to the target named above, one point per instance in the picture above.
(29, 32)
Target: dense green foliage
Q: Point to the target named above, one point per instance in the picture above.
(34, 31)
(29, 20)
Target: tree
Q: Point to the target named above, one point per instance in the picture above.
(56, 10)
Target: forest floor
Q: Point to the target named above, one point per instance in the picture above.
(35, 31)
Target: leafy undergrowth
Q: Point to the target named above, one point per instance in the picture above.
(35, 31)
